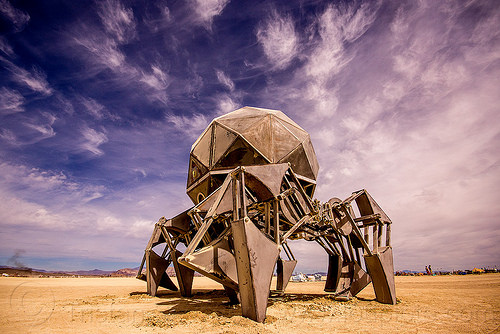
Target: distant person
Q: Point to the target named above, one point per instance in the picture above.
(430, 270)
(427, 270)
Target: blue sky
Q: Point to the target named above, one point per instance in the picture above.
(100, 102)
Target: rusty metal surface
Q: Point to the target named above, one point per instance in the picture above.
(252, 176)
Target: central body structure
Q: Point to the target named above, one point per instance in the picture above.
(252, 176)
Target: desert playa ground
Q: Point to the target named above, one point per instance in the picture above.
(440, 304)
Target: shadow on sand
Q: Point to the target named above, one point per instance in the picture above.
(215, 301)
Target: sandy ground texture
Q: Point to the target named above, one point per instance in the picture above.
(440, 304)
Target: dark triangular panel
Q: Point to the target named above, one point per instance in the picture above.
(333, 275)
(196, 170)
(270, 176)
(360, 280)
(299, 163)
(184, 275)
(311, 157)
(156, 275)
(284, 270)
(223, 139)
(240, 154)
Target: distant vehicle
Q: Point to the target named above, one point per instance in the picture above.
(299, 278)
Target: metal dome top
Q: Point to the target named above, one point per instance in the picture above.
(244, 137)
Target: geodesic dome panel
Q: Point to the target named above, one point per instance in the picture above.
(245, 137)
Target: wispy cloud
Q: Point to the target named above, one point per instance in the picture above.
(117, 20)
(157, 79)
(91, 140)
(158, 17)
(29, 129)
(10, 101)
(225, 104)
(191, 125)
(279, 40)
(39, 187)
(18, 18)
(35, 79)
(336, 27)
(44, 130)
(93, 107)
(225, 80)
(103, 50)
(5, 47)
(206, 10)
(64, 104)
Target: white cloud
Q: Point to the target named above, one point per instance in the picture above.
(141, 171)
(117, 20)
(18, 18)
(279, 40)
(141, 228)
(45, 130)
(30, 130)
(225, 80)
(10, 101)
(157, 82)
(206, 10)
(328, 57)
(21, 213)
(35, 184)
(104, 51)
(8, 136)
(423, 142)
(358, 21)
(193, 125)
(157, 79)
(225, 104)
(65, 104)
(35, 80)
(92, 139)
(5, 47)
(31, 176)
(93, 107)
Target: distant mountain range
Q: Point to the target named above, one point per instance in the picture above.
(16, 271)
